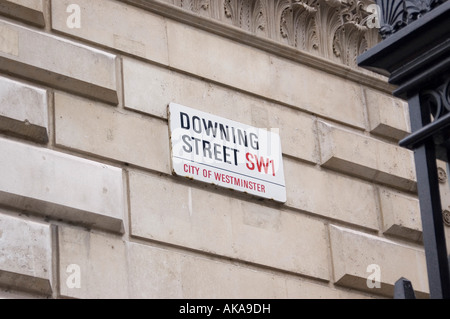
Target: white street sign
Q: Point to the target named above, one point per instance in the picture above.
(226, 153)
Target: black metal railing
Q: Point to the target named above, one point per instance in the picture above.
(415, 55)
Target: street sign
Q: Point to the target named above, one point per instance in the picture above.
(218, 151)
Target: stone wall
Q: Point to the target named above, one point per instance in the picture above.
(89, 207)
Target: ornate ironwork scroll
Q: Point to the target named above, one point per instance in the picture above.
(396, 14)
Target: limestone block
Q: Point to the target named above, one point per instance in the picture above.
(388, 117)
(92, 266)
(61, 186)
(25, 255)
(216, 58)
(116, 25)
(401, 214)
(363, 261)
(166, 274)
(161, 273)
(31, 11)
(195, 218)
(103, 266)
(23, 110)
(332, 195)
(57, 62)
(240, 66)
(165, 86)
(99, 129)
(366, 157)
(297, 130)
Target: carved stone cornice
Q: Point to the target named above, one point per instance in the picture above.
(333, 29)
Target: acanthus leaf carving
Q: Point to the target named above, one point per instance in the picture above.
(194, 5)
(348, 43)
(354, 13)
(249, 15)
(353, 37)
(297, 23)
(259, 21)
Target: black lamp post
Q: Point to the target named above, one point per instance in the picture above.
(415, 55)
